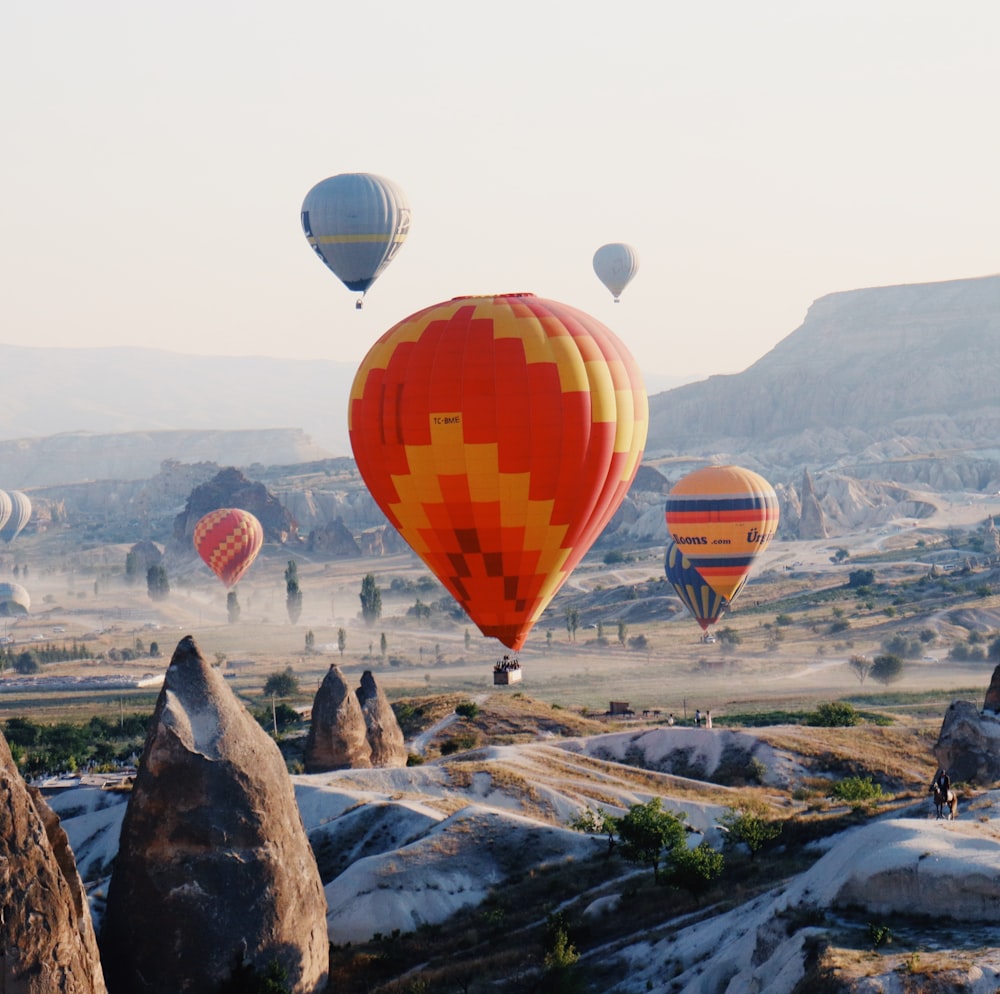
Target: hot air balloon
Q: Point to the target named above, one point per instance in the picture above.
(20, 513)
(699, 598)
(499, 434)
(5, 508)
(228, 539)
(356, 223)
(615, 265)
(14, 600)
(721, 518)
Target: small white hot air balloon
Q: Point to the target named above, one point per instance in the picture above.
(615, 265)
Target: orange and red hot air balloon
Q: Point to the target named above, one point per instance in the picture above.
(499, 434)
(722, 518)
(228, 539)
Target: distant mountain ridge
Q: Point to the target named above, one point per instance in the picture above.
(892, 381)
(50, 391)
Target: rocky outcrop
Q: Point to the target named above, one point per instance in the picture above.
(230, 488)
(47, 939)
(214, 872)
(968, 746)
(992, 701)
(334, 540)
(384, 734)
(338, 735)
(812, 520)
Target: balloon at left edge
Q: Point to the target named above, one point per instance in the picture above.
(18, 516)
(14, 600)
(356, 223)
(228, 540)
(499, 434)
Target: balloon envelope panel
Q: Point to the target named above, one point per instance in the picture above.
(356, 223)
(5, 508)
(228, 540)
(499, 434)
(722, 517)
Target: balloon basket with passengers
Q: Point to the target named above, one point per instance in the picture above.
(506, 670)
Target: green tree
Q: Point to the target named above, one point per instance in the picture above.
(693, 869)
(645, 831)
(747, 823)
(597, 822)
(310, 641)
(157, 584)
(26, 662)
(572, 622)
(341, 641)
(133, 568)
(861, 578)
(887, 669)
(371, 600)
(383, 644)
(282, 684)
(232, 607)
(622, 633)
(420, 611)
(293, 595)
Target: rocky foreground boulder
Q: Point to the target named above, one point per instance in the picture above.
(47, 941)
(968, 745)
(214, 873)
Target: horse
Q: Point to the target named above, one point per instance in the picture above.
(943, 799)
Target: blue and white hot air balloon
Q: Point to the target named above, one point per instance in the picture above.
(616, 264)
(356, 223)
(19, 515)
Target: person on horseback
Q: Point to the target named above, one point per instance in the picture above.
(943, 782)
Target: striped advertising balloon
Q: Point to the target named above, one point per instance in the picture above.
(691, 587)
(721, 518)
(499, 434)
(228, 539)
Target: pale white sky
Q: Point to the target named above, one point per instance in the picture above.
(757, 155)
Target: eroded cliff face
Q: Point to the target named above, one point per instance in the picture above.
(47, 941)
(214, 871)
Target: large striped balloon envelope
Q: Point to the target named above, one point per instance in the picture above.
(722, 518)
(228, 539)
(499, 434)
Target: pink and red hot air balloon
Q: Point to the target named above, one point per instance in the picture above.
(228, 540)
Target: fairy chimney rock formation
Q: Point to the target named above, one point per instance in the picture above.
(812, 520)
(384, 734)
(47, 940)
(214, 871)
(338, 735)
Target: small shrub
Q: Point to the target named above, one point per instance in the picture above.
(855, 790)
(836, 714)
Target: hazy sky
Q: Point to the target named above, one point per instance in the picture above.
(757, 155)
